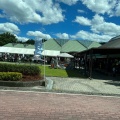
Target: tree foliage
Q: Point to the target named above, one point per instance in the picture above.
(30, 41)
(6, 38)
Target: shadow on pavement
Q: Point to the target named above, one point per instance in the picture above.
(101, 76)
(75, 73)
(115, 83)
(80, 73)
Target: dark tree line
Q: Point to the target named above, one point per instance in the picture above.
(7, 37)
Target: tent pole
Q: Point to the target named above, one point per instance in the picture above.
(90, 64)
(85, 58)
(44, 60)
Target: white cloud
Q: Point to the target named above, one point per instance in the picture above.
(33, 11)
(62, 35)
(100, 29)
(68, 2)
(1, 16)
(91, 36)
(22, 39)
(101, 6)
(38, 34)
(117, 13)
(81, 11)
(99, 25)
(9, 27)
(97, 19)
(82, 20)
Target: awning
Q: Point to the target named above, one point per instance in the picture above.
(51, 53)
(65, 55)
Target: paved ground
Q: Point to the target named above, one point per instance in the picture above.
(76, 85)
(107, 87)
(47, 106)
(16, 105)
(94, 86)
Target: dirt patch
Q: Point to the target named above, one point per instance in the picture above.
(32, 78)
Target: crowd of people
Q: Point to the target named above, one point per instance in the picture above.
(60, 62)
(54, 62)
(15, 58)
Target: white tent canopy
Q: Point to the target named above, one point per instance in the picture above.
(27, 51)
(50, 53)
(17, 50)
(65, 55)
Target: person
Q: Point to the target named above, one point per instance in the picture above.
(56, 62)
(19, 59)
(30, 60)
(5, 58)
(52, 63)
(114, 71)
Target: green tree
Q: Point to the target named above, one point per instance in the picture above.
(44, 40)
(30, 41)
(6, 38)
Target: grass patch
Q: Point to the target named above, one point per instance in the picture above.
(55, 72)
(59, 72)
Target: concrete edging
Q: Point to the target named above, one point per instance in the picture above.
(22, 84)
(48, 83)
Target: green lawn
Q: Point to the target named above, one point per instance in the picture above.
(51, 72)
(59, 72)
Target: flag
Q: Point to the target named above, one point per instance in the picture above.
(38, 47)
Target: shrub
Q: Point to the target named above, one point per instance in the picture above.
(10, 76)
(24, 69)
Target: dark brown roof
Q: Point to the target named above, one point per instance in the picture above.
(113, 43)
(99, 50)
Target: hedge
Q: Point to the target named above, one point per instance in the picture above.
(10, 76)
(21, 68)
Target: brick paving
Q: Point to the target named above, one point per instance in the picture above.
(48, 106)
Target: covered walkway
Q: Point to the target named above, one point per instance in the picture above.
(103, 58)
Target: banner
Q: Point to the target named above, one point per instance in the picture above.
(38, 47)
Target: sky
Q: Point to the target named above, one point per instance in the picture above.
(94, 20)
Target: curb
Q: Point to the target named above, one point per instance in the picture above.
(48, 83)
(22, 84)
